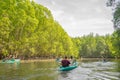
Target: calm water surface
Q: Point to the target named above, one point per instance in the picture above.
(87, 70)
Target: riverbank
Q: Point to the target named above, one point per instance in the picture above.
(37, 60)
(80, 59)
(97, 59)
(51, 60)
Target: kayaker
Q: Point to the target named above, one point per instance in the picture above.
(72, 60)
(65, 62)
(59, 59)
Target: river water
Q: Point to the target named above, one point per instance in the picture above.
(87, 70)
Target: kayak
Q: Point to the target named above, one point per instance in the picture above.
(11, 61)
(75, 65)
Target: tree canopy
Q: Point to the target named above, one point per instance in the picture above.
(29, 29)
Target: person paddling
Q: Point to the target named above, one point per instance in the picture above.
(72, 60)
(65, 62)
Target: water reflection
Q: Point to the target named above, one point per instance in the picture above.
(93, 71)
(118, 65)
(49, 71)
(64, 74)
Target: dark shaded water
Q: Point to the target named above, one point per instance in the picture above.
(90, 70)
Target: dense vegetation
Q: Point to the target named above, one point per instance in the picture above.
(107, 46)
(29, 30)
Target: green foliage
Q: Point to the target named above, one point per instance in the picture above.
(94, 46)
(115, 47)
(117, 17)
(116, 43)
(28, 29)
(115, 4)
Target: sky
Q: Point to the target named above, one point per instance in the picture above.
(81, 17)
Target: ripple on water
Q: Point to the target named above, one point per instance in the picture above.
(93, 71)
(85, 71)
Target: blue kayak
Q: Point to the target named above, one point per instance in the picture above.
(11, 61)
(75, 65)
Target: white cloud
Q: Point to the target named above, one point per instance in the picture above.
(80, 17)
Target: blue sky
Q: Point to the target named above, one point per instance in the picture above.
(81, 17)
